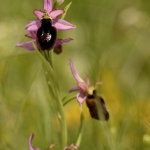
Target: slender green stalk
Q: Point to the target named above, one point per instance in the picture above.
(62, 119)
(81, 128)
(54, 90)
(56, 96)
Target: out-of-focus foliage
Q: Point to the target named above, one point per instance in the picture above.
(111, 44)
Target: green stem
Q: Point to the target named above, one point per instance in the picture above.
(56, 95)
(62, 119)
(81, 128)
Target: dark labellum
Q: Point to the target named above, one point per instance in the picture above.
(97, 107)
(46, 35)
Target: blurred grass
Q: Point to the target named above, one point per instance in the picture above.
(111, 44)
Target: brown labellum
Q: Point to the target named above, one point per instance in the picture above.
(97, 107)
(46, 35)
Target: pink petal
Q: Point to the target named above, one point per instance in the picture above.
(81, 97)
(27, 45)
(38, 13)
(31, 34)
(61, 24)
(48, 5)
(82, 86)
(33, 25)
(74, 88)
(61, 41)
(55, 13)
(30, 143)
(74, 72)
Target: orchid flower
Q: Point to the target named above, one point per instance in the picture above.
(33, 26)
(58, 23)
(83, 87)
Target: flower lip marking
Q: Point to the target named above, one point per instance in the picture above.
(97, 106)
(46, 34)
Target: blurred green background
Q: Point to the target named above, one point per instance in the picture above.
(111, 44)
